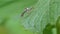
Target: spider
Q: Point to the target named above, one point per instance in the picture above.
(26, 10)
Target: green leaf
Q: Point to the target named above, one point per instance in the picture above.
(40, 20)
(58, 25)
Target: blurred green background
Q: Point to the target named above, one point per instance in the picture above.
(10, 11)
(43, 19)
